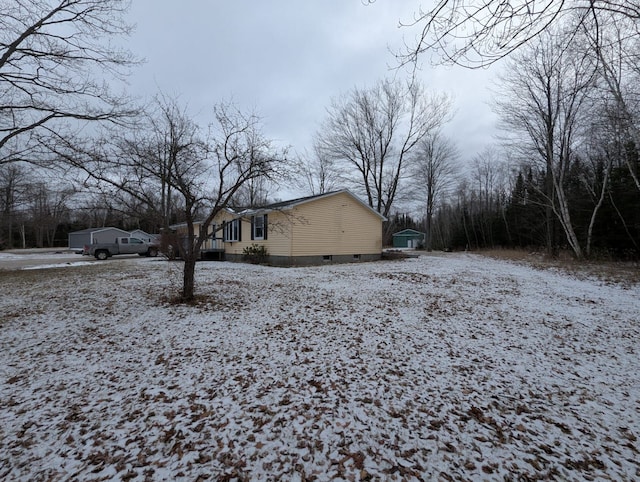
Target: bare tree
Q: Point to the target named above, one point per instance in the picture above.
(166, 144)
(541, 104)
(47, 208)
(205, 170)
(476, 33)
(12, 187)
(372, 132)
(596, 178)
(615, 45)
(435, 170)
(97, 208)
(237, 152)
(32, 205)
(606, 146)
(315, 173)
(48, 53)
(487, 179)
(254, 193)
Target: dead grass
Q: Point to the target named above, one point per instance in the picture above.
(626, 273)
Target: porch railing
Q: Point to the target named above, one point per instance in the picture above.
(213, 244)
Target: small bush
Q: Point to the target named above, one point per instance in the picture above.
(256, 254)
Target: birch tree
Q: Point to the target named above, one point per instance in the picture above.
(615, 45)
(541, 104)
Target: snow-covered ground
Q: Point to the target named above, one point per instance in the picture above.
(41, 258)
(453, 367)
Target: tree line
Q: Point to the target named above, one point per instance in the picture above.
(565, 175)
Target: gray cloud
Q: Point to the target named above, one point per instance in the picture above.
(288, 59)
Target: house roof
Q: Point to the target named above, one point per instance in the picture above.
(198, 222)
(291, 203)
(296, 202)
(408, 232)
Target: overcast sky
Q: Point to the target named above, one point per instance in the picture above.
(288, 59)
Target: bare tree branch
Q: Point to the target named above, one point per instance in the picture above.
(174, 169)
(477, 33)
(53, 57)
(371, 133)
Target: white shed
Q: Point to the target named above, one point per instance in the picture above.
(146, 237)
(79, 239)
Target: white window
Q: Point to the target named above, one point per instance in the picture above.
(231, 231)
(259, 227)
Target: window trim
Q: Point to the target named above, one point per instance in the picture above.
(255, 226)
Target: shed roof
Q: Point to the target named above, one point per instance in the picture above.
(97, 230)
(144, 233)
(408, 232)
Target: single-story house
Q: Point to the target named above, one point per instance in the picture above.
(330, 227)
(408, 238)
(79, 239)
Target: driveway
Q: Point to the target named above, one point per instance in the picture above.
(37, 258)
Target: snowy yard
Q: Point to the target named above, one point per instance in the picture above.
(452, 367)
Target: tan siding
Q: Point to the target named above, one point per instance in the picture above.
(278, 242)
(335, 225)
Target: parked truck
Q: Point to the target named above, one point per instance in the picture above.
(124, 245)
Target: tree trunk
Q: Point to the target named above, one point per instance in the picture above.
(23, 236)
(565, 220)
(466, 231)
(10, 232)
(597, 207)
(188, 278)
(549, 214)
(429, 236)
